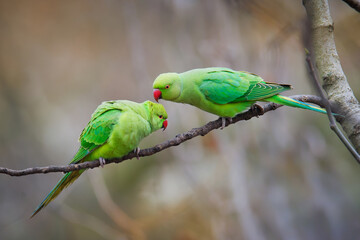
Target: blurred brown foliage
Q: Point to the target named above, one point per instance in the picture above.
(282, 176)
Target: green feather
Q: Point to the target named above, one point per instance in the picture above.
(115, 128)
(223, 91)
(259, 91)
(223, 86)
(64, 182)
(294, 103)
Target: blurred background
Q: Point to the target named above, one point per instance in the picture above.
(284, 175)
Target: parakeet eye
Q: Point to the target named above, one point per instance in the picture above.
(167, 86)
(161, 116)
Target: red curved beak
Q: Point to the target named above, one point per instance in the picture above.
(164, 126)
(157, 94)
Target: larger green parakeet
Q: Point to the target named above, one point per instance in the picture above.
(115, 129)
(222, 91)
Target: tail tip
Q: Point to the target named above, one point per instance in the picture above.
(37, 210)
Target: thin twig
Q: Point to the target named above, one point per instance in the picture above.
(355, 4)
(326, 103)
(130, 226)
(92, 223)
(178, 139)
(328, 66)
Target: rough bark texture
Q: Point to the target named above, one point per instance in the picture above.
(328, 64)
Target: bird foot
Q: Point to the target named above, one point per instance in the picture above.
(136, 151)
(257, 109)
(102, 162)
(223, 121)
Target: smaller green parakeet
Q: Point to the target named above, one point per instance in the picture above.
(222, 91)
(115, 129)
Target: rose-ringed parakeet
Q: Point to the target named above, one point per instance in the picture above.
(222, 91)
(115, 129)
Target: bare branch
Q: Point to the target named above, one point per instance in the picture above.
(328, 65)
(326, 103)
(355, 4)
(178, 139)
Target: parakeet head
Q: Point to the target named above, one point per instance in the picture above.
(167, 86)
(157, 115)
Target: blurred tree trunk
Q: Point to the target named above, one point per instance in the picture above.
(328, 64)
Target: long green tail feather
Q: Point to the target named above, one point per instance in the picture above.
(64, 182)
(294, 103)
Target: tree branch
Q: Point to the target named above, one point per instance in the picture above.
(178, 139)
(355, 4)
(326, 102)
(327, 62)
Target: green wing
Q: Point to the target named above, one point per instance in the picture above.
(94, 135)
(98, 130)
(223, 86)
(226, 86)
(261, 90)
